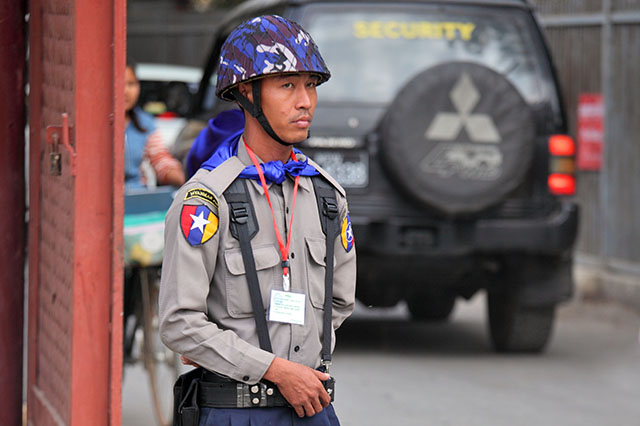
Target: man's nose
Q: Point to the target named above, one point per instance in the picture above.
(303, 98)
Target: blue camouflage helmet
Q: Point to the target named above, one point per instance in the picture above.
(267, 45)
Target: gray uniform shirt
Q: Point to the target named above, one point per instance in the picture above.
(205, 308)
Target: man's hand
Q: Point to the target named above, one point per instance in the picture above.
(300, 385)
(187, 361)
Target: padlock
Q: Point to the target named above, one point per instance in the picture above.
(55, 158)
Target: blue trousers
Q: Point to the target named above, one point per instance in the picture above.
(276, 416)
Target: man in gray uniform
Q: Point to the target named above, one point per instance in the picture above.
(259, 257)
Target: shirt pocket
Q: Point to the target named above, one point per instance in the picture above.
(238, 297)
(316, 266)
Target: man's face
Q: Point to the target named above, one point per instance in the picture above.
(288, 102)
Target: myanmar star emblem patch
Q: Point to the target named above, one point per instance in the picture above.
(347, 234)
(198, 224)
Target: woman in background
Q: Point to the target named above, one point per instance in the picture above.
(142, 141)
(146, 160)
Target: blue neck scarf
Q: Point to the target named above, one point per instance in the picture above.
(274, 171)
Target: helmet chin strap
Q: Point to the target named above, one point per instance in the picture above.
(255, 109)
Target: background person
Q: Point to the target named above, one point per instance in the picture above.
(143, 141)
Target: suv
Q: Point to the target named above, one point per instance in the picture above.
(443, 121)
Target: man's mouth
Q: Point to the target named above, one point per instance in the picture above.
(303, 121)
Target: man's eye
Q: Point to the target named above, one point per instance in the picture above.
(312, 84)
(287, 85)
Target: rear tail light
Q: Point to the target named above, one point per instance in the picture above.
(562, 145)
(562, 180)
(562, 184)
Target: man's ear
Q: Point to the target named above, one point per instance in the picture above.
(246, 91)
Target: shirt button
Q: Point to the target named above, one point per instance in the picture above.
(245, 378)
(296, 349)
(293, 255)
(287, 209)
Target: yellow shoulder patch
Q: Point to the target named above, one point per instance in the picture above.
(203, 194)
(346, 234)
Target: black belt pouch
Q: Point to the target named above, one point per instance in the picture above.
(185, 399)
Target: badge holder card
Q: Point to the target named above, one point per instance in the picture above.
(287, 306)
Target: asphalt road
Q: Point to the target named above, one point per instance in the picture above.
(392, 372)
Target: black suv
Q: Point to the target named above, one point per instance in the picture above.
(443, 121)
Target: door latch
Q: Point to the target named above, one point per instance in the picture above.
(55, 135)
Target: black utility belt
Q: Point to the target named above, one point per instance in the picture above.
(219, 392)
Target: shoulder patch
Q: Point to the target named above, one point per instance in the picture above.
(198, 224)
(346, 234)
(203, 194)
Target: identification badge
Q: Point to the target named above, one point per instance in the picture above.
(287, 307)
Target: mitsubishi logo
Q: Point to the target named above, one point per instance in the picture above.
(446, 126)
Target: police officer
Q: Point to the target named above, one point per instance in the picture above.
(259, 261)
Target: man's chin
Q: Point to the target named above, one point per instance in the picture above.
(297, 139)
(306, 136)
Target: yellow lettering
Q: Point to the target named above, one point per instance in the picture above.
(375, 29)
(409, 30)
(390, 29)
(413, 30)
(360, 29)
(466, 30)
(425, 30)
(450, 30)
(432, 30)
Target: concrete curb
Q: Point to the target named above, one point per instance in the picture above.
(597, 281)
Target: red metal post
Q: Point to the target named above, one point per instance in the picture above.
(92, 345)
(117, 278)
(12, 200)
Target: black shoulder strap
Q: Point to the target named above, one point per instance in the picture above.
(328, 208)
(244, 226)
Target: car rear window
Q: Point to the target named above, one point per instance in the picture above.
(373, 50)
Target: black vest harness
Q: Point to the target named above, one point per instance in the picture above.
(244, 226)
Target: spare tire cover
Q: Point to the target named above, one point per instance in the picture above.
(458, 137)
